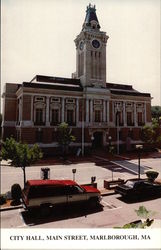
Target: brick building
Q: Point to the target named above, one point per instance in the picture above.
(96, 111)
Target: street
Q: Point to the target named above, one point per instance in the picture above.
(113, 212)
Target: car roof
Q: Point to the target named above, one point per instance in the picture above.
(50, 182)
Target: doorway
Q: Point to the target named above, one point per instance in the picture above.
(98, 140)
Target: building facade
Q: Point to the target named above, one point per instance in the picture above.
(96, 111)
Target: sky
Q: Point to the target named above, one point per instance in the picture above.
(38, 38)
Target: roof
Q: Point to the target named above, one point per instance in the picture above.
(91, 16)
(123, 89)
(51, 182)
(50, 82)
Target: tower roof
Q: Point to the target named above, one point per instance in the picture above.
(91, 16)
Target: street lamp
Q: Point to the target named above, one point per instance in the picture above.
(109, 138)
(92, 139)
(117, 126)
(139, 147)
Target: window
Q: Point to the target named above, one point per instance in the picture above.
(129, 118)
(55, 99)
(55, 116)
(70, 101)
(97, 115)
(40, 99)
(39, 116)
(140, 118)
(119, 120)
(70, 117)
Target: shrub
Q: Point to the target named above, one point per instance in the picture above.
(16, 192)
(152, 175)
(2, 200)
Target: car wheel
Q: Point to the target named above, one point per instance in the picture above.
(93, 202)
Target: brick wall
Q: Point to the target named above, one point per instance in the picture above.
(26, 114)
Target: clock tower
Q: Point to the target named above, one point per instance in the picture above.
(91, 51)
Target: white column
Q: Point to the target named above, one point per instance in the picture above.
(20, 111)
(135, 116)
(32, 108)
(107, 111)
(104, 111)
(124, 113)
(62, 110)
(91, 110)
(87, 110)
(47, 111)
(145, 118)
(77, 111)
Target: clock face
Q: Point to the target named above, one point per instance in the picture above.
(81, 45)
(96, 44)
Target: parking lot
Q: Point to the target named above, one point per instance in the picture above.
(113, 212)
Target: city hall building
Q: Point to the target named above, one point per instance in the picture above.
(98, 112)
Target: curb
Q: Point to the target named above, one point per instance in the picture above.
(10, 208)
(107, 193)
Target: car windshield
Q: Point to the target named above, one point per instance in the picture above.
(130, 184)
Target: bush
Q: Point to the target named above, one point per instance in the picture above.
(16, 192)
(2, 200)
(152, 175)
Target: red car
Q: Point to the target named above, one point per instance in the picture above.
(46, 193)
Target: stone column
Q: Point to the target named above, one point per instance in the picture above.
(107, 111)
(32, 108)
(20, 111)
(104, 111)
(145, 118)
(62, 110)
(135, 116)
(77, 111)
(87, 110)
(47, 111)
(124, 113)
(91, 111)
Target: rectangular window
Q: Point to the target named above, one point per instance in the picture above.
(119, 120)
(70, 117)
(54, 99)
(39, 99)
(129, 118)
(97, 115)
(55, 116)
(140, 118)
(39, 116)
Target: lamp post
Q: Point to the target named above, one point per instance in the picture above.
(92, 139)
(117, 126)
(109, 139)
(83, 127)
(139, 147)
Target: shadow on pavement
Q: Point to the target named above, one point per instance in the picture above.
(138, 199)
(112, 167)
(58, 214)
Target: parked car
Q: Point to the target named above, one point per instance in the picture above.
(138, 188)
(46, 193)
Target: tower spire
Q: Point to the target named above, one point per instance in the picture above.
(91, 20)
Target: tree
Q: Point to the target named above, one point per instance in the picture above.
(156, 112)
(151, 133)
(65, 137)
(21, 155)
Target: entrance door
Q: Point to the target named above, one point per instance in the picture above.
(98, 140)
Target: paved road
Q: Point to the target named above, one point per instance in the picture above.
(115, 212)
